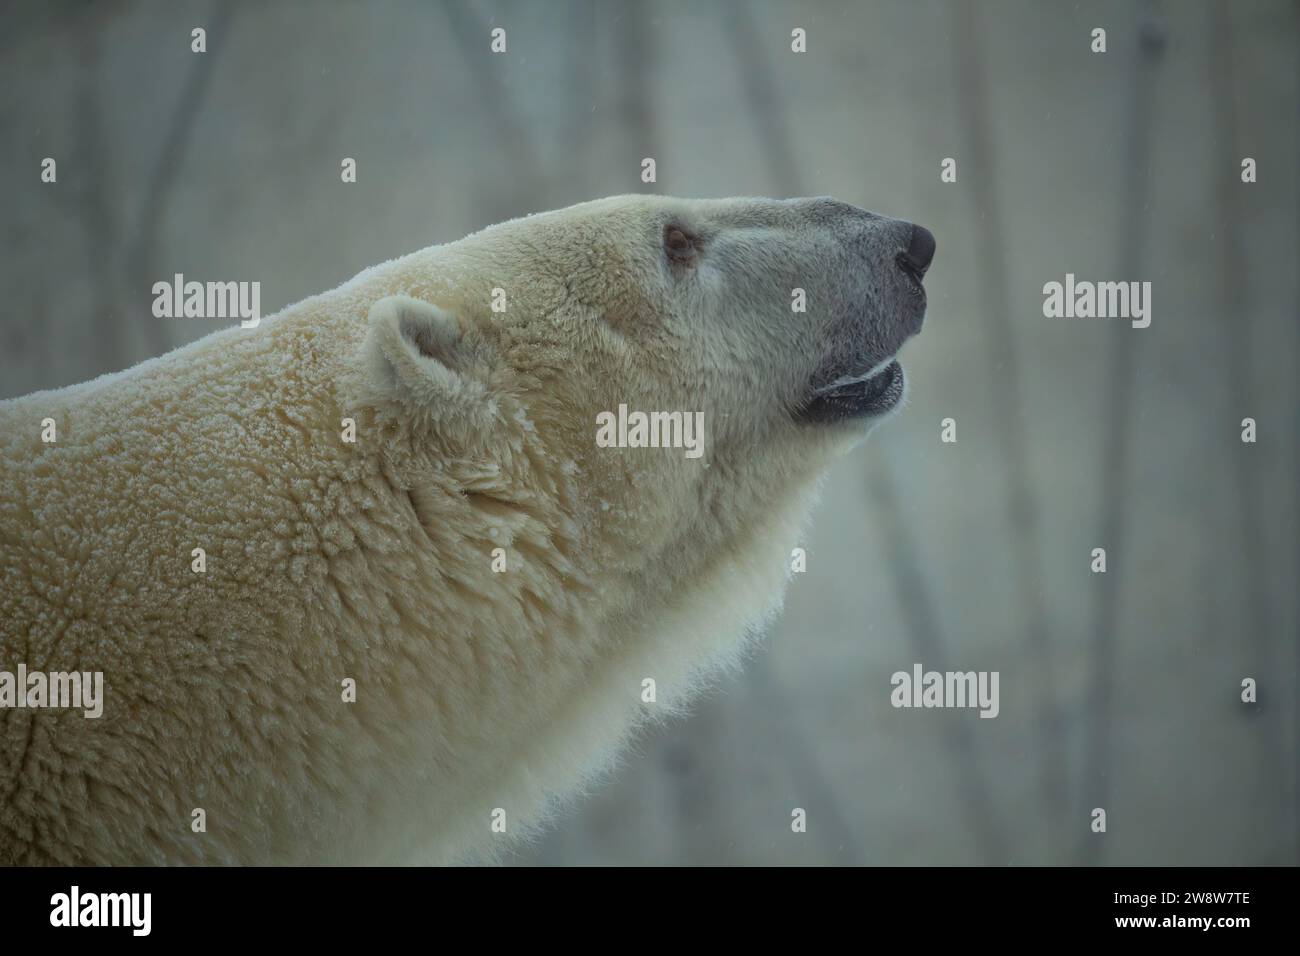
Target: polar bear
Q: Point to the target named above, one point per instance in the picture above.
(361, 583)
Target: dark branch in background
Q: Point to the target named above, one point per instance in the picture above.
(582, 89)
(764, 103)
(1021, 508)
(1235, 320)
(1114, 464)
(1295, 484)
(919, 620)
(120, 280)
(90, 204)
(41, 311)
(21, 23)
(789, 739)
(636, 108)
(171, 157)
(472, 36)
(922, 626)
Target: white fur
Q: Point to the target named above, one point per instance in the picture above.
(372, 561)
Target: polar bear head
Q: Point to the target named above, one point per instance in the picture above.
(527, 352)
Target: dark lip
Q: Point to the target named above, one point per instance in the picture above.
(913, 272)
(882, 392)
(879, 394)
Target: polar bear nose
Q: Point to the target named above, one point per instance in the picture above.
(920, 250)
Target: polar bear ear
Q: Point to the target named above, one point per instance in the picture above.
(416, 357)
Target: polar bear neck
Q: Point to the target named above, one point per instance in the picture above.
(330, 562)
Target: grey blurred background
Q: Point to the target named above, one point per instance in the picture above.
(1119, 690)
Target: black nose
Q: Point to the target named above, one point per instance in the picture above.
(920, 251)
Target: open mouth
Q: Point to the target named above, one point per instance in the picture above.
(869, 393)
(913, 272)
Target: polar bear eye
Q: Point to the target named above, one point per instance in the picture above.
(679, 244)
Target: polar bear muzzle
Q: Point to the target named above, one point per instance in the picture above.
(863, 383)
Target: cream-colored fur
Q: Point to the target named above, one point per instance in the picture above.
(476, 689)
